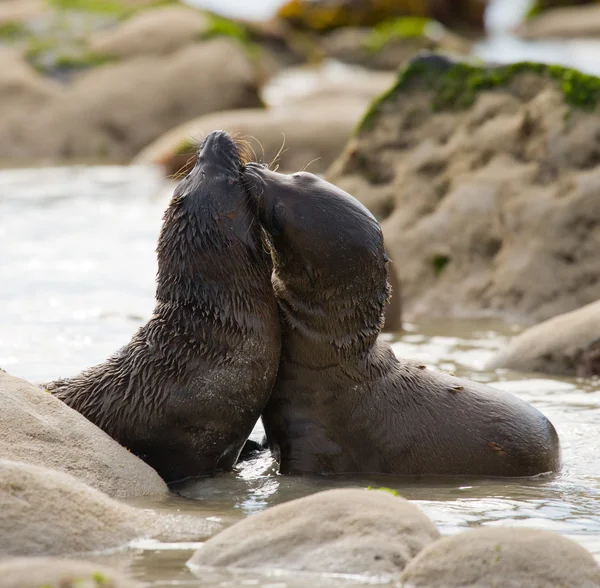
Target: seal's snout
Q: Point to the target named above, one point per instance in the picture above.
(220, 148)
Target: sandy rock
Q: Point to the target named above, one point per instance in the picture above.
(310, 131)
(159, 31)
(564, 345)
(37, 428)
(346, 531)
(49, 572)
(507, 558)
(565, 22)
(20, 11)
(115, 110)
(46, 512)
(490, 209)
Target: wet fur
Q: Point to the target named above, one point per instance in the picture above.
(342, 402)
(186, 391)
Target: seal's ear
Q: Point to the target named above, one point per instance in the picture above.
(310, 273)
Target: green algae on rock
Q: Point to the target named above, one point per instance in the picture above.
(456, 83)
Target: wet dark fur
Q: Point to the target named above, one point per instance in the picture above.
(342, 402)
(186, 391)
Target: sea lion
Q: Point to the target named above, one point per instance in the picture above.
(186, 391)
(342, 401)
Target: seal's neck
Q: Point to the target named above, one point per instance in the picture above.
(206, 258)
(329, 324)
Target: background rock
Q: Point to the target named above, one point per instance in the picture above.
(486, 183)
(510, 558)
(564, 345)
(347, 531)
(37, 428)
(48, 572)
(568, 22)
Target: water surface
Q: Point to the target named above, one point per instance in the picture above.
(77, 268)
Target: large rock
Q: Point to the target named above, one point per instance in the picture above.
(47, 512)
(511, 558)
(49, 572)
(338, 531)
(310, 131)
(568, 22)
(115, 110)
(37, 428)
(486, 181)
(159, 31)
(568, 344)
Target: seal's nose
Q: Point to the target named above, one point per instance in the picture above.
(218, 143)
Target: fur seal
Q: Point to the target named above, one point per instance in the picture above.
(186, 391)
(342, 401)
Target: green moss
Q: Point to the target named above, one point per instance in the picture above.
(384, 489)
(10, 31)
(106, 7)
(439, 263)
(455, 84)
(408, 27)
(186, 146)
(100, 578)
(223, 27)
(81, 60)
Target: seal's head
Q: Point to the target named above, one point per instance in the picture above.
(209, 215)
(330, 265)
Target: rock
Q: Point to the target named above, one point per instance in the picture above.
(47, 512)
(49, 572)
(37, 428)
(313, 130)
(566, 345)
(568, 22)
(486, 182)
(350, 531)
(510, 558)
(390, 44)
(159, 31)
(17, 12)
(115, 110)
(325, 15)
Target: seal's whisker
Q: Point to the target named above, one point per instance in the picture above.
(311, 161)
(279, 152)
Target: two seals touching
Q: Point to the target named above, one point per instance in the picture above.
(342, 401)
(186, 391)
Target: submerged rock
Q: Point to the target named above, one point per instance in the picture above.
(37, 428)
(350, 531)
(510, 558)
(49, 572)
(567, 345)
(486, 182)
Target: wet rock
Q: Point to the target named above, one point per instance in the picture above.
(48, 572)
(113, 111)
(347, 531)
(390, 44)
(485, 180)
(503, 557)
(325, 15)
(37, 428)
(47, 512)
(312, 130)
(568, 345)
(160, 31)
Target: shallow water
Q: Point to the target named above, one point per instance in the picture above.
(77, 269)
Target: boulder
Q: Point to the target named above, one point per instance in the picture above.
(350, 531)
(46, 512)
(510, 558)
(567, 22)
(27, 572)
(389, 45)
(566, 345)
(37, 428)
(159, 31)
(325, 15)
(486, 181)
(308, 132)
(114, 110)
